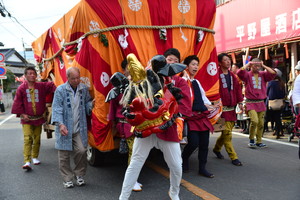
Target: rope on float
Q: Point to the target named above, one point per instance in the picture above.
(113, 28)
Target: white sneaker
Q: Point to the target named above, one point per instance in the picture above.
(68, 184)
(36, 161)
(80, 181)
(137, 187)
(27, 166)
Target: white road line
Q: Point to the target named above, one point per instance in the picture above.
(6, 119)
(269, 140)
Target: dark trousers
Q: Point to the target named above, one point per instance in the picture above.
(267, 119)
(2, 109)
(196, 139)
(276, 117)
(243, 124)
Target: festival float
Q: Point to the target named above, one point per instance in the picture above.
(96, 36)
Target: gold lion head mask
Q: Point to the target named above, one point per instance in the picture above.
(136, 70)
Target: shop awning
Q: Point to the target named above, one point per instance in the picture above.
(253, 23)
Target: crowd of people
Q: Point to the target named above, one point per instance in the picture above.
(72, 104)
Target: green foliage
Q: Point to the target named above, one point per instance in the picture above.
(103, 39)
(7, 82)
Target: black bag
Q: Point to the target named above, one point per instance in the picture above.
(185, 129)
(123, 149)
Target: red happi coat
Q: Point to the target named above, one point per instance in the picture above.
(253, 91)
(184, 108)
(23, 105)
(115, 114)
(230, 98)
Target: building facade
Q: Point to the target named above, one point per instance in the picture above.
(268, 29)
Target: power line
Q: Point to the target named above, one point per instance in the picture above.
(23, 27)
(14, 35)
(42, 17)
(31, 19)
(13, 23)
(10, 32)
(3, 12)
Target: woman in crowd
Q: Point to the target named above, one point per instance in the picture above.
(276, 90)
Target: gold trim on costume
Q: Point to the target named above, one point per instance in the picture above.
(254, 100)
(227, 108)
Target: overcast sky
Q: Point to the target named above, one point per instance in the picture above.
(35, 15)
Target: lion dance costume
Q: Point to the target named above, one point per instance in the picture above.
(149, 98)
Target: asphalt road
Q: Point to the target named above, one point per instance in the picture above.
(270, 173)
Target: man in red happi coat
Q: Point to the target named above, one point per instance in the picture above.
(30, 105)
(231, 95)
(256, 92)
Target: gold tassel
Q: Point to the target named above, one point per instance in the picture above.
(233, 57)
(266, 53)
(286, 51)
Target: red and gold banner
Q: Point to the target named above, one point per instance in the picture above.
(99, 55)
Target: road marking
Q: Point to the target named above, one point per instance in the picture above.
(189, 186)
(6, 119)
(269, 140)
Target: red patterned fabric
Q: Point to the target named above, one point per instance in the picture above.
(99, 55)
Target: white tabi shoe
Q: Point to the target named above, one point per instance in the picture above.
(27, 166)
(36, 161)
(137, 187)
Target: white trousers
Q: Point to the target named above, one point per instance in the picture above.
(141, 149)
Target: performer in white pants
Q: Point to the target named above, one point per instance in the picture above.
(168, 139)
(141, 149)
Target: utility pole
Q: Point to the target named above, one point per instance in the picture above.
(24, 48)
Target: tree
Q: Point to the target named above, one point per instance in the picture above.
(7, 82)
